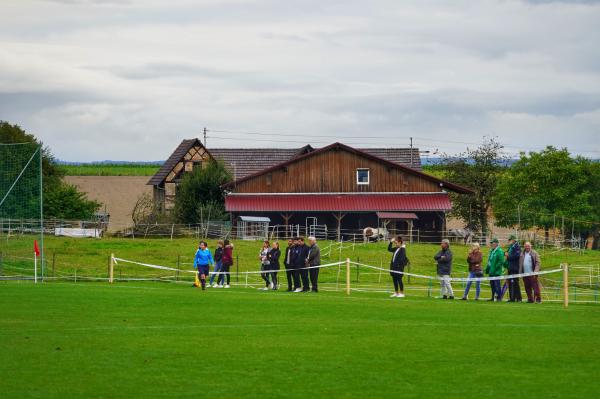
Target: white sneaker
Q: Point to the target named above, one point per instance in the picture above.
(270, 286)
(226, 286)
(394, 295)
(263, 289)
(219, 286)
(213, 285)
(400, 295)
(298, 290)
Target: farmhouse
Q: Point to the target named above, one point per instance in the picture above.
(334, 191)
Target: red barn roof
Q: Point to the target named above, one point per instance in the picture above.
(337, 202)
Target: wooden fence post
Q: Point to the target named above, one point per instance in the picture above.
(111, 268)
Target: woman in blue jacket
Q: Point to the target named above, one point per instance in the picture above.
(202, 261)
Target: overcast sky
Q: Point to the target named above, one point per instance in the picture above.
(128, 80)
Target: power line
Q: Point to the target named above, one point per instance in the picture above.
(338, 138)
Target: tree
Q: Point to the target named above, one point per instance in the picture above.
(478, 169)
(200, 195)
(60, 199)
(543, 187)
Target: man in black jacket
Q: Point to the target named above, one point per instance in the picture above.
(300, 263)
(313, 259)
(288, 264)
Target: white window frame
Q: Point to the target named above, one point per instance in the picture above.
(368, 177)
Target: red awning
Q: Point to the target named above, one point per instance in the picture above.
(353, 202)
(397, 215)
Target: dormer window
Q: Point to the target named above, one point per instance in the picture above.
(362, 176)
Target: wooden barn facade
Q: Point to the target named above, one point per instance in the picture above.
(346, 190)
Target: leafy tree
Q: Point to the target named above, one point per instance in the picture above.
(543, 187)
(200, 195)
(68, 203)
(60, 199)
(478, 169)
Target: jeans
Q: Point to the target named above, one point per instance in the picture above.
(477, 286)
(446, 287)
(225, 276)
(532, 288)
(218, 267)
(398, 284)
(314, 278)
(496, 289)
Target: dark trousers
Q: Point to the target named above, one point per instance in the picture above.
(496, 289)
(532, 289)
(314, 279)
(514, 289)
(295, 277)
(225, 276)
(304, 278)
(397, 279)
(289, 274)
(274, 279)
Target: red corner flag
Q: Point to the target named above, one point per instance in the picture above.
(36, 249)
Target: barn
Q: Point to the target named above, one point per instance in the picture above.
(335, 191)
(339, 191)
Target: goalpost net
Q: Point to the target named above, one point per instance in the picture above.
(21, 212)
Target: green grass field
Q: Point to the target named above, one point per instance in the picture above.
(62, 340)
(100, 169)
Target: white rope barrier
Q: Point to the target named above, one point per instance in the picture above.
(159, 267)
(465, 279)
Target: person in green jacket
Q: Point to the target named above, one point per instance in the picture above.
(495, 266)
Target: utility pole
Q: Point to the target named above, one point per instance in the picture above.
(204, 131)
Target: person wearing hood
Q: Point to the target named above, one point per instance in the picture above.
(226, 262)
(444, 269)
(397, 265)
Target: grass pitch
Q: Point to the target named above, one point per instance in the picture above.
(170, 340)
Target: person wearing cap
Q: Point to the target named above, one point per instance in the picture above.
(530, 263)
(444, 268)
(513, 255)
(494, 268)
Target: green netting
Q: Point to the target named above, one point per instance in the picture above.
(20, 205)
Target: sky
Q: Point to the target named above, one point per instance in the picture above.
(128, 80)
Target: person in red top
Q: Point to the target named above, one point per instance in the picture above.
(474, 260)
(227, 262)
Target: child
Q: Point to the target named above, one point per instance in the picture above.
(218, 265)
(264, 265)
(202, 261)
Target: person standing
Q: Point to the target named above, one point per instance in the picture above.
(287, 263)
(301, 254)
(474, 259)
(530, 263)
(397, 265)
(274, 255)
(313, 259)
(202, 261)
(218, 257)
(494, 268)
(264, 265)
(513, 256)
(227, 261)
(444, 269)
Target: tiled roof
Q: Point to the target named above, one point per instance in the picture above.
(351, 202)
(170, 163)
(243, 162)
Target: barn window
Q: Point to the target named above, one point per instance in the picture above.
(197, 164)
(362, 176)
